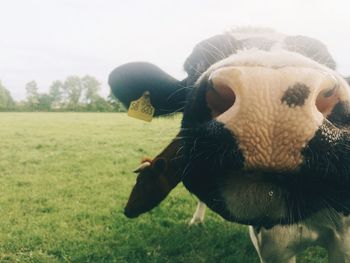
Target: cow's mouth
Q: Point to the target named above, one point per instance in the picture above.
(214, 171)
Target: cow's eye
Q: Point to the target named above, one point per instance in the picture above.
(220, 97)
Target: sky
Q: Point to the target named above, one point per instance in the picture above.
(46, 40)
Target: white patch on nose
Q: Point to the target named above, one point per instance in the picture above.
(272, 132)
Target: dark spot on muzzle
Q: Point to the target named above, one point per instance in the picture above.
(296, 95)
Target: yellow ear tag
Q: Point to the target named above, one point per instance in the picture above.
(142, 108)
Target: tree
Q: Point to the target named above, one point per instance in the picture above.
(56, 94)
(44, 102)
(91, 88)
(73, 94)
(32, 94)
(100, 105)
(6, 101)
(72, 90)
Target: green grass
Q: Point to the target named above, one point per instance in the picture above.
(64, 180)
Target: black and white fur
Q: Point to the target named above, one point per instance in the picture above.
(289, 182)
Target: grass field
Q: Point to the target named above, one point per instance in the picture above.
(64, 179)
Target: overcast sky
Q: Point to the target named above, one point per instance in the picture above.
(45, 40)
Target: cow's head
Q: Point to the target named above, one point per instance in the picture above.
(155, 179)
(265, 126)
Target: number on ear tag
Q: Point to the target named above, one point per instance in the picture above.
(142, 108)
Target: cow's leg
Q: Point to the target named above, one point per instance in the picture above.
(198, 216)
(272, 245)
(254, 239)
(339, 253)
(338, 246)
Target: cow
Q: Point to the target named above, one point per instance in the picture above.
(265, 134)
(156, 178)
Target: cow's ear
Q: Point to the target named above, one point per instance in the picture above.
(129, 82)
(348, 80)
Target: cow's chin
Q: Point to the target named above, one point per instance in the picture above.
(254, 198)
(261, 198)
(268, 199)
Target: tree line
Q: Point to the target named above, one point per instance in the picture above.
(72, 94)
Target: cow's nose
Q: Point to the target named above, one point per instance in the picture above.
(225, 89)
(273, 113)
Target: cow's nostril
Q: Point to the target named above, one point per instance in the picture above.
(327, 99)
(220, 97)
